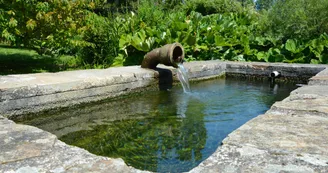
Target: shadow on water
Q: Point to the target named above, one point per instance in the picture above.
(163, 131)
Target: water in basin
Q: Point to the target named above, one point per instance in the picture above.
(164, 131)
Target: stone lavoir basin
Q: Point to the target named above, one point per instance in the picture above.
(163, 131)
(221, 126)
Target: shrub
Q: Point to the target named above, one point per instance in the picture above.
(50, 27)
(301, 19)
(98, 34)
(206, 7)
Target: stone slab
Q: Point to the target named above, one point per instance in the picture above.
(23, 86)
(320, 79)
(264, 69)
(232, 159)
(29, 149)
(31, 93)
(298, 137)
(205, 69)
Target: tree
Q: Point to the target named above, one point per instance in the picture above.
(244, 3)
(50, 27)
(264, 4)
(207, 7)
(303, 19)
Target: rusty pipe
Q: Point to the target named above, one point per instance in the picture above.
(170, 55)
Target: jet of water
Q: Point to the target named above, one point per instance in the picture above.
(183, 77)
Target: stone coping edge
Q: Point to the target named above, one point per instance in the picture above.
(29, 149)
(31, 93)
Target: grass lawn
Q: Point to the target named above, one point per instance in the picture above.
(20, 61)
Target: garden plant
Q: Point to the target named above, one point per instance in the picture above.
(83, 34)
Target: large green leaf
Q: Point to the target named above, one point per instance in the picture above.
(189, 39)
(294, 46)
(141, 43)
(124, 41)
(220, 41)
(180, 26)
(274, 55)
(262, 41)
(118, 61)
(262, 56)
(238, 58)
(316, 47)
(297, 58)
(291, 46)
(315, 61)
(324, 58)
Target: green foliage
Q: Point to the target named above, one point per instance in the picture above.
(51, 27)
(299, 19)
(206, 7)
(235, 30)
(245, 3)
(233, 36)
(98, 34)
(264, 4)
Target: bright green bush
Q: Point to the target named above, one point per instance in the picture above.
(98, 35)
(299, 19)
(264, 4)
(290, 31)
(206, 7)
(49, 27)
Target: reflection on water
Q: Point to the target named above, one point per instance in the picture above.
(164, 131)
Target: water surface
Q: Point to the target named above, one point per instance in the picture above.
(164, 131)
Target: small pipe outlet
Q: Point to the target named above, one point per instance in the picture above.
(275, 74)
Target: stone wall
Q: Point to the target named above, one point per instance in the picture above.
(290, 137)
(31, 93)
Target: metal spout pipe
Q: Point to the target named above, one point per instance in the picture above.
(275, 74)
(170, 55)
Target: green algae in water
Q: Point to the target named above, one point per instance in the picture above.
(164, 131)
